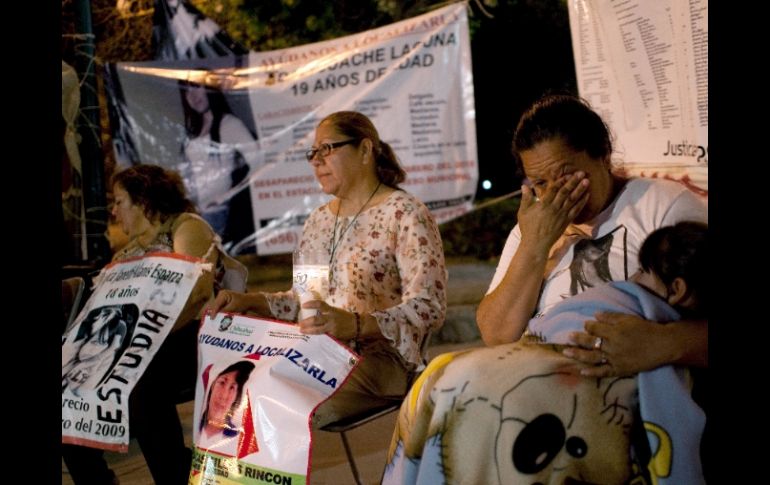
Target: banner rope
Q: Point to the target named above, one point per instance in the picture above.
(497, 200)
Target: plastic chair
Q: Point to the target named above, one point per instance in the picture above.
(348, 423)
(71, 293)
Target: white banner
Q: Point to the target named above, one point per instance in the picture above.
(644, 67)
(260, 381)
(131, 311)
(412, 78)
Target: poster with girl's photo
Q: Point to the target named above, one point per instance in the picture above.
(259, 382)
(133, 306)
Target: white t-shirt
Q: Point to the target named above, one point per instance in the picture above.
(607, 247)
(211, 163)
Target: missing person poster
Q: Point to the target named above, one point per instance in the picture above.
(131, 311)
(259, 383)
(237, 128)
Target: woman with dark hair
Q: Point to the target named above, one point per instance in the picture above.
(571, 194)
(219, 152)
(217, 429)
(387, 277)
(540, 420)
(564, 148)
(152, 209)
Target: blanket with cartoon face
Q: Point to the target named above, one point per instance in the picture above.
(514, 413)
(520, 414)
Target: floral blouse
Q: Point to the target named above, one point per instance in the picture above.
(390, 263)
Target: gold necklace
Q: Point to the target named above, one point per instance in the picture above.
(334, 243)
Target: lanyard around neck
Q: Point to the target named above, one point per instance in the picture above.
(335, 241)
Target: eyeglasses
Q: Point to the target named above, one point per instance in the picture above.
(326, 148)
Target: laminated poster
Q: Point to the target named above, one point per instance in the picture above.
(132, 309)
(259, 383)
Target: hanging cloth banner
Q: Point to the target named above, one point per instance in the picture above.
(644, 67)
(132, 309)
(245, 166)
(181, 31)
(259, 383)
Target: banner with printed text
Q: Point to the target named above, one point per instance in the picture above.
(132, 309)
(259, 383)
(244, 163)
(644, 67)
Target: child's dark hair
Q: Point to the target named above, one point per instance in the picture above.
(680, 251)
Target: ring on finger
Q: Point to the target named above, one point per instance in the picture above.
(603, 360)
(598, 343)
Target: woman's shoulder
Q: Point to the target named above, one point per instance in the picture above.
(192, 234)
(660, 202)
(229, 119)
(323, 210)
(233, 130)
(319, 217)
(404, 201)
(189, 221)
(657, 188)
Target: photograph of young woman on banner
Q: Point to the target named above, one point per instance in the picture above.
(259, 381)
(221, 423)
(102, 338)
(219, 151)
(126, 321)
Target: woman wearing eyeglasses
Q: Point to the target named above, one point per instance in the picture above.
(387, 276)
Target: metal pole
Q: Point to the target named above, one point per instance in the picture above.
(94, 194)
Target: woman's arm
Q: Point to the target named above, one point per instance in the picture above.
(282, 305)
(503, 313)
(234, 302)
(419, 256)
(631, 344)
(194, 237)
